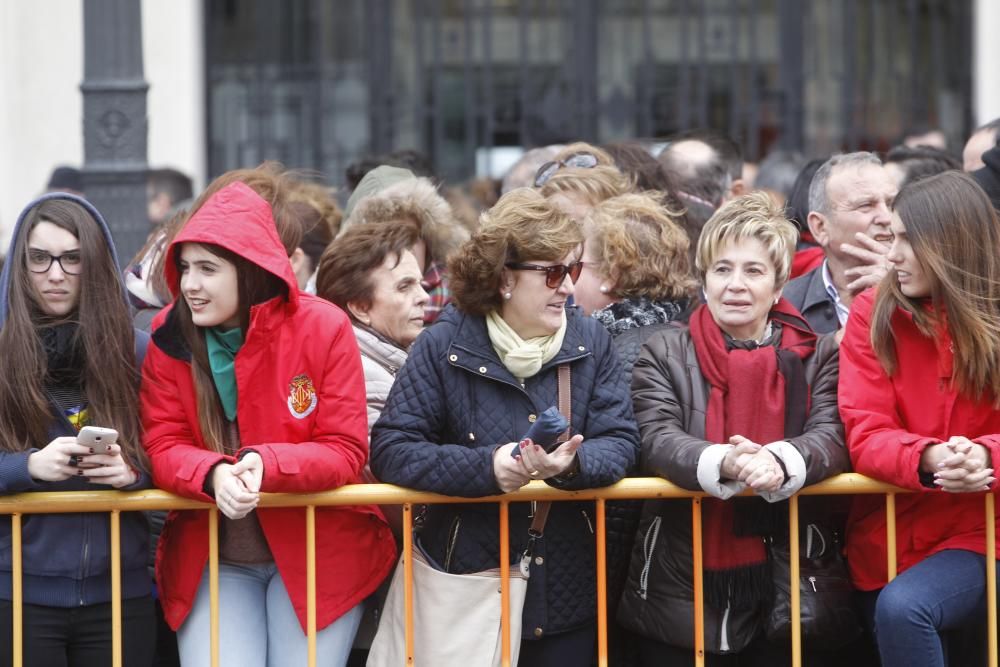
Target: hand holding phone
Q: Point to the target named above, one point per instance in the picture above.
(545, 431)
(105, 464)
(96, 437)
(99, 439)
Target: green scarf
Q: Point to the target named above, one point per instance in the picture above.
(523, 358)
(222, 347)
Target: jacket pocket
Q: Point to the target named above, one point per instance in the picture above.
(187, 468)
(288, 465)
(648, 549)
(819, 583)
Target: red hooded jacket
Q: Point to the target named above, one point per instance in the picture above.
(301, 406)
(889, 422)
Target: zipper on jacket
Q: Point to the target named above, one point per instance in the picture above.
(724, 630)
(648, 543)
(813, 530)
(452, 539)
(83, 561)
(812, 580)
(586, 517)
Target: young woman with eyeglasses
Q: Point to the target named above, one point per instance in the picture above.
(472, 386)
(70, 360)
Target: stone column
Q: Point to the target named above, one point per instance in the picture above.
(114, 119)
(985, 59)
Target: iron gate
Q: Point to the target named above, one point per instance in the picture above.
(317, 84)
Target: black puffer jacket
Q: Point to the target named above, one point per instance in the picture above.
(671, 397)
(454, 402)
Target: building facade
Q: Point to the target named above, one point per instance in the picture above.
(317, 83)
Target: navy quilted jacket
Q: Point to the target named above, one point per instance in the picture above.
(454, 402)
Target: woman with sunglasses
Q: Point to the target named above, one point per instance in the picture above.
(473, 385)
(70, 361)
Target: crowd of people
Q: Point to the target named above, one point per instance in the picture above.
(738, 334)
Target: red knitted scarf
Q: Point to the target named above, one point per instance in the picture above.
(748, 398)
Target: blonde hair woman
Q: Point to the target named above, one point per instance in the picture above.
(742, 398)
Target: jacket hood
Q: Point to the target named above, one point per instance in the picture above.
(238, 219)
(989, 176)
(375, 181)
(13, 251)
(419, 199)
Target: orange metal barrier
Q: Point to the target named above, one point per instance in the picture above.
(115, 502)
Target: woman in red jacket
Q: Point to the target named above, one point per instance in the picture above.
(919, 395)
(252, 386)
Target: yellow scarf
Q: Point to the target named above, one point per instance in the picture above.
(523, 358)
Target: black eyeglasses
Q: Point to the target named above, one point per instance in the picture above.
(554, 275)
(580, 160)
(40, 261)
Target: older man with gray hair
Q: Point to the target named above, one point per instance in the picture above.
(850, 209)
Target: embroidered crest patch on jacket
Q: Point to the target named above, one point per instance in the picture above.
(301, 396)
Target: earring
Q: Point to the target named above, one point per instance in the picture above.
(776, 300)
(507, 295)
(604, 289)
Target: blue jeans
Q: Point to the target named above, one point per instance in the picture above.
(944, 593)
(257, 624)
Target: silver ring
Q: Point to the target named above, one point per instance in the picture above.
(74, 461)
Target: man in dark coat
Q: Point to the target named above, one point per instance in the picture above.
(850, 201)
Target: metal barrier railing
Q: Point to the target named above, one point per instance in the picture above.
(115, 502)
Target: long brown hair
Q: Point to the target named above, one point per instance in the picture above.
(104, 333)
(955, 235)
(255, 285)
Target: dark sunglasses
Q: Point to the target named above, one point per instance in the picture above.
(554, 275)
(580, 160)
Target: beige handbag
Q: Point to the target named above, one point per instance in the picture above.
(456, 617)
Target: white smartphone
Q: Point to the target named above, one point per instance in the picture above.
(97, 438)
(92, 436)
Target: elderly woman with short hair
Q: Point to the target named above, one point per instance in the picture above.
(635, 264)
(371, 273)
(745, 397)
(471, 388)
(636, 280)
